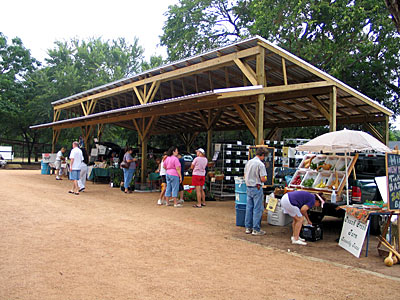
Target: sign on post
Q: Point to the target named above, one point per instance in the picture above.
(353, 235)
(393, 180)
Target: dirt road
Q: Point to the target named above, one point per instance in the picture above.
(104, 244)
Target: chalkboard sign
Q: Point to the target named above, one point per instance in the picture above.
(393, 180)
(269, 162)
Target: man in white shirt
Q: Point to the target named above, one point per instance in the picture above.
(59, 158)
(76, 158)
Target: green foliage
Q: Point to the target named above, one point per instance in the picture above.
(355, 41)
(155, 61)
(194, 26)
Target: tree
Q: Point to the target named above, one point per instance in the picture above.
(394, 8)
(16, 110)
(194, 26)
(354, 41)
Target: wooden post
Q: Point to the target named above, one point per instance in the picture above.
(143, 171)
(209, 142)
(260, 69)
(386, 137)
(332, 109)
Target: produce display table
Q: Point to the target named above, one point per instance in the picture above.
(99, 172)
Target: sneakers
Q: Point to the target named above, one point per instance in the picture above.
(58, 178)
(248, 230)
(292, 239)
(178, 205)
(299, 242)
(82, 189)
(260, 232)
(159, 202)
(181, 201)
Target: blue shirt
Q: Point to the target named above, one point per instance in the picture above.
(300, 198)
(182, 161)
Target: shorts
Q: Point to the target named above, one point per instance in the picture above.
(172, 186)
(198, 180)
(57, 164)
(180, 187)
(164, 178)
(288, 208)
(75, 175)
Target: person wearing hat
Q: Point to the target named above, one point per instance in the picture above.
(296, 204)
(198, 166)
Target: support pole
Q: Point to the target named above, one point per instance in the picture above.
(332, 109)
(386, 137)
(143, 171)
(260, 68)
(209, 141)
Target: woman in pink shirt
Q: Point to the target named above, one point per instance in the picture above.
(174, 177)
(199, 165)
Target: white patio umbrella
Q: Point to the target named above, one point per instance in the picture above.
(344, 141)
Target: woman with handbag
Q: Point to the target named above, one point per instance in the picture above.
(129, 166)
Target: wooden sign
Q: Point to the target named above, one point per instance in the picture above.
(393, 180)
(353, 235)
(269, 162)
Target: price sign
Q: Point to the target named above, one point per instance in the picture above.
(393, 180)
(353, 235)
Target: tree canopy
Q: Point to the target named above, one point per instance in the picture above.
(355, 41)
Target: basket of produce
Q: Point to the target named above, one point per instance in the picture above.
(335, 180)
(331, 160)
(297, 178)
(322, 180)
(307, 161)
(308, 179)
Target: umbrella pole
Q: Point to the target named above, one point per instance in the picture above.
(347, 180)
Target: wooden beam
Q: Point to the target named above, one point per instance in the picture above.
(332, 109)
(298, 111)
(84, 109)
(285, 81)
(245, 71)
(320, 106)
(139, 131)
(324, 76)
(250, 125)
(138, 95)
(374, 132)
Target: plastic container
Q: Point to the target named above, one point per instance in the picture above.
(45, 168)
(240, 214)
(240, 185)
(278, 218)
(241, 198)
(333, 195)
(295, 178)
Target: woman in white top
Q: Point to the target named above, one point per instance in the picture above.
(163, 174)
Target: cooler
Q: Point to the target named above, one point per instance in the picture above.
(240, 191)
(278, 218)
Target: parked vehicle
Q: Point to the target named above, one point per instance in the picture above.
(361, 190)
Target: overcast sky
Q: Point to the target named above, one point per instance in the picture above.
(41, 22)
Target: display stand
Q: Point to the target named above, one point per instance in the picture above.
(321, 172)
(229, 160)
